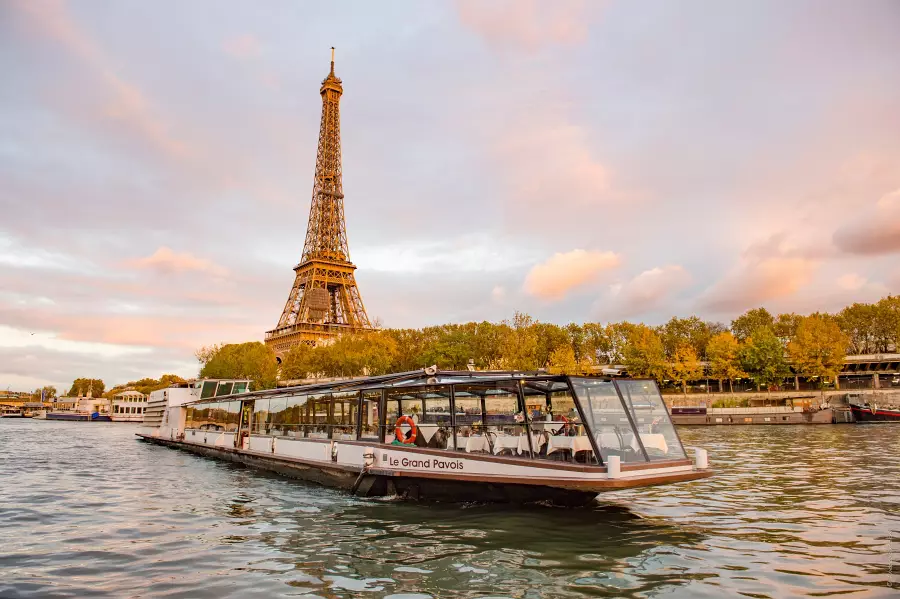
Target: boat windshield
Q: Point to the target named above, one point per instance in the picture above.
(642, 433)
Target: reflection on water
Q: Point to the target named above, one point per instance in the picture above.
(87, 511)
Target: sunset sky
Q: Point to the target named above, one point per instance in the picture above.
(577, 160)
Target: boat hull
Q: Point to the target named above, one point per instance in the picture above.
(75, 417)
(453, 487)
(866, 414)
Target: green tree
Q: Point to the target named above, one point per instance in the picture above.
(48, 392)
(82, 386)
(685, 366)
(744, 325)
(680, 331)
(724, 362)
(818, 348)
(762, 358)
(644, 354)
(886, 324)
(252, 360)
(785, 326)
(857, 322)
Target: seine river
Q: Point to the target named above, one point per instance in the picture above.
(88, 511)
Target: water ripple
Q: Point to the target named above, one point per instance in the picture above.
(87, 511)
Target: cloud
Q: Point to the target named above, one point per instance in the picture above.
(757, 280)
(243, 46)
(563, 272)
(526, 24)
(127, 105)
(646, 292)
(166, 261)
(874, 233)
(851, 282)
(551, 164)
(498, 294)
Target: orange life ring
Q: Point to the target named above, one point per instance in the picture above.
(413, 431)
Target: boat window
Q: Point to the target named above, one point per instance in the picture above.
(232, 415)
(607, 419)
(240, 387)
(504, 420)
(344, 408)
(318, 418)
(652, 420)
(224, 389)
(209, 389)
(469, 422)
(557, 430)
(391, 414)
(370, 410)
(260, 416)
(292, 416)
(429, 410)
(434, 425)
(277, 415)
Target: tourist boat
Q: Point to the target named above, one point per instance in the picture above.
(872, 413)
(446, 435)
(11, 412)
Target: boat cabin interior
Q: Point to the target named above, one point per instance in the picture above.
(582, 420)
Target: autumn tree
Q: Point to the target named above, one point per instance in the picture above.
(252, 360)
(519, 345)
(685, 366)
(744, 325)
(818, 348)
(644, 354)
(762, 358)
(724, 362)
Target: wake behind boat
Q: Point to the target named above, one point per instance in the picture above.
(448, 435)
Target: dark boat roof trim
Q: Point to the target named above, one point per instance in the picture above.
(413, 379)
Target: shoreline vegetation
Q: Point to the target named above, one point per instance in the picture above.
(758, 348)
(769, 350)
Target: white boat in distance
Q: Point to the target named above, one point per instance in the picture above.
(446, 435)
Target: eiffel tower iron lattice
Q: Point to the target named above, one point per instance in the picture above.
(324, 301)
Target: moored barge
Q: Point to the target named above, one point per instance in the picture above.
(445, 435)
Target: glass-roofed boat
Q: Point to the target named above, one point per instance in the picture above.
(446, 435)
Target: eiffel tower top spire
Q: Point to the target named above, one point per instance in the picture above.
(324, 300)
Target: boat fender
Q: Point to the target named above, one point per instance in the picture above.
(334, 452)
(398, 430)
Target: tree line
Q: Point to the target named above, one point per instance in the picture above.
(757, 345)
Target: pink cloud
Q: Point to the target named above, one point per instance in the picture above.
(646, 292)
(873, 233)
(165, 260)
(243, 46)
(563, 272)
(528, 24)
(757, 280)
(552, 162)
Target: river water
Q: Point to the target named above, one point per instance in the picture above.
(86, 510)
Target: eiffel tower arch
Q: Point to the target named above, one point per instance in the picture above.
(324, 301)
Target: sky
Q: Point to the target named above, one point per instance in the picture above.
(575, 160)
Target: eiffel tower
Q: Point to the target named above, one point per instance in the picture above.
(324, 301)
